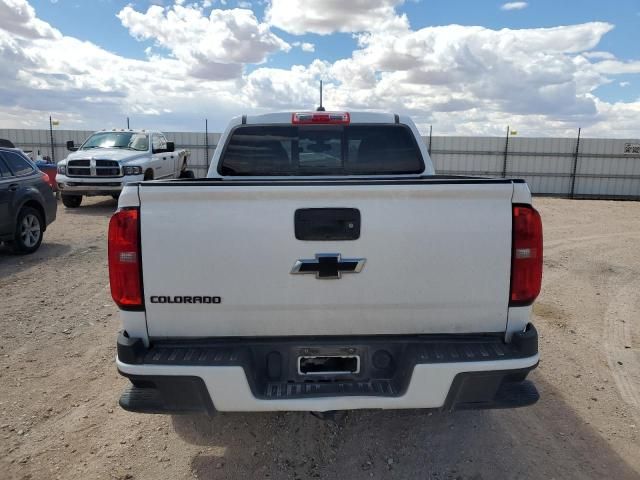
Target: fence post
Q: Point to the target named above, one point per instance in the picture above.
(53, 151)
(430, 132)
(575, 166)
(506, 154)
(206, 143)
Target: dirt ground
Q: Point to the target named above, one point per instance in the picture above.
(59, 416)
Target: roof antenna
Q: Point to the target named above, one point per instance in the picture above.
(320, 108)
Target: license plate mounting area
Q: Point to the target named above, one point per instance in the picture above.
(328, 365)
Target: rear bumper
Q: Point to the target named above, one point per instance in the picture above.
(449, 373)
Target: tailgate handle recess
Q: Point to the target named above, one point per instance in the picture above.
(327, 224)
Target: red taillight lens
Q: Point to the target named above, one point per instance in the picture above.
(125, 272)
(320, 118)
(45, 177)
(526, 256)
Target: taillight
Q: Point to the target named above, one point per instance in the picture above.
(320, 118)
(526, 256)
(45, 177)
(125, 272)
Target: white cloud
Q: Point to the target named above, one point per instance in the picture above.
(599, 55)
(461, 79)
(624, 84)
(517, 71)
(18, 17)
(514, 6)
(616, 67)
(214, 47)
(308, 47)
(305, 46)
(275, 88)
(324, 17)
(92, 88)
(467, 80)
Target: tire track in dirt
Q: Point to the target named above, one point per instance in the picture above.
(622, 357)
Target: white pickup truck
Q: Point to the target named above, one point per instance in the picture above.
(323, 265)
(110, 159)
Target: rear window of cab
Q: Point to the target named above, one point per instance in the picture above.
(304, 150)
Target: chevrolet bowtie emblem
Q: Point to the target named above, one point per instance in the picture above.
(328, 265)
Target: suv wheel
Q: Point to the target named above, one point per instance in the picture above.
(29, 230)
(71, 201)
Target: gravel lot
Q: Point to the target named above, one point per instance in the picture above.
(59, 416)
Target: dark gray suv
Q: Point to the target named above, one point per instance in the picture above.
(27, 203)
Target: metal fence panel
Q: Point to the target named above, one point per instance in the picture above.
(196, 143)
(602, 167)
(546, 163)
(480, 155)
(605, 170)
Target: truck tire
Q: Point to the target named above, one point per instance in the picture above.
(148, 175)
(29, 231)
(187, 174)
(71, 201)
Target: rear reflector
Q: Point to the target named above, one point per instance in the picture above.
(125, 272)
(526, 256)
(320, 118)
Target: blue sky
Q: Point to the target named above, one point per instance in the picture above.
(357, 56)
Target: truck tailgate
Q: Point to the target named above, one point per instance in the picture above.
(437, 259)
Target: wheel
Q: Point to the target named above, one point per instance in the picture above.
(187, 174)
(29, 230)
(148, 175)
(71, 201)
